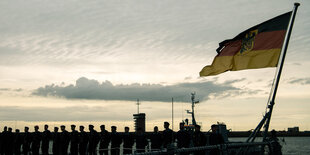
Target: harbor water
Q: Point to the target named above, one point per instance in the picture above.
(290, 145)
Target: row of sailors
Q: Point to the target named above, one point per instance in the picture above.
(86, 143)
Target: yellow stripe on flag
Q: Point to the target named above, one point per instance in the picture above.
(256, 59)
(219, 65)
(246, 60)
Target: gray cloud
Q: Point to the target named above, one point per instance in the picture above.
(72, 113)
(229, 82)
(5, 89)
(297, 64)
(188, 78)
(302, 81)
(92, 89)
(8, 89)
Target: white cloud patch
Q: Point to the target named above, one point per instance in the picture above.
(93, 89)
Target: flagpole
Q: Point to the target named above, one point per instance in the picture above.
(273, 92)
(279, 71)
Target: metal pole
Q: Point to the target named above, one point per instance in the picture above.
(256, 130)
(279, 69)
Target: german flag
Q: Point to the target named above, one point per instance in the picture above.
(257, 47)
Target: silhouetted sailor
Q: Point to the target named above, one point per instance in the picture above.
(83, 140)
(116, 141)
(167, 135)
(141, 141)
(183, 138)
(56, 142)
(199, 139)
(26, 141)
(46, 136)
(9, 142)
(74, 138)
(36, 140)
(215, 139)
(104, 140)
(0, 143)
(186, 121)
(276, 147)
(156, 140)
(128, 141)
(4, 139)
(93, 140)
(64, 140)
(18, 140)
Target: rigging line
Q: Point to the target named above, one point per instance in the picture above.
(271, 91)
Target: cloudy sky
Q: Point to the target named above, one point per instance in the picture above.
(82, 62)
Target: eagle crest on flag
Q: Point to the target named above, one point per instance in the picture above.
(248, 41)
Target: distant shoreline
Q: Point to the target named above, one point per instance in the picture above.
(279, 134)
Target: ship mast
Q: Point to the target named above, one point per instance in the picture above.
(193, 108)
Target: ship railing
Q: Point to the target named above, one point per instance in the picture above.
(238, 148)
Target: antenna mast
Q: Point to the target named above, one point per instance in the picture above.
(138, 104)
(193, 108)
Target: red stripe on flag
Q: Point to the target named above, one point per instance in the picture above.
(269, 40)
(231, 48)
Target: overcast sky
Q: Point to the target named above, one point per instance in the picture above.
(89, 61)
